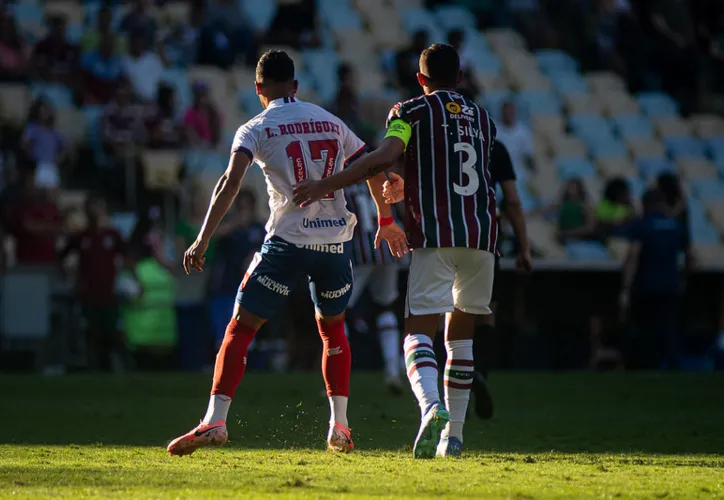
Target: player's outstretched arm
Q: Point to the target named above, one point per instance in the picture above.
(387, 229)
(224, 193)
(368, 166)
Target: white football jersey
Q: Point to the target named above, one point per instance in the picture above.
(292, 141)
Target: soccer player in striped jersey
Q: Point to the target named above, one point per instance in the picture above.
(377, 271)
(290, 140)
(446, 141)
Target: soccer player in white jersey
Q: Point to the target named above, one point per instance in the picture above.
(292, 141)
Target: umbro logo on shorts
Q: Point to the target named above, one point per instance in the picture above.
(334, 350)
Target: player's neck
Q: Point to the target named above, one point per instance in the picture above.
(281, 95)
(432, 90)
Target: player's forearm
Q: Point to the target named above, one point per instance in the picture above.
(375, 185)
(368, 166)
(514, 212)
(224, 194)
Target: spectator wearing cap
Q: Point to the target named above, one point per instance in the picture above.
(142, 67)
(652, 285)
(101, 71)
(91, 39)
(202, 120)
(54, 59)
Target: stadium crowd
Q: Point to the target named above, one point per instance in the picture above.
(116, 119)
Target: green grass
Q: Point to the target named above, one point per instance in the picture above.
(553, 436)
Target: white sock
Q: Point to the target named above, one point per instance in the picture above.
(338, 410)
(422, 369)
(390, 343)
(458, 380)
(218, 408)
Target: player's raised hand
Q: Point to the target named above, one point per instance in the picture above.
(393, 190)
(194, 256)
(395, 237)
(307, 192)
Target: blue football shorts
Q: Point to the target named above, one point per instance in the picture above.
(279, 267)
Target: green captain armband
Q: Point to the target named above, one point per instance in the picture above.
(400, 129)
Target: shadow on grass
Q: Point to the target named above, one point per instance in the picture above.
(535, 413)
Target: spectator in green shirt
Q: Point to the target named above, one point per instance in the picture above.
(92, 37)
(615, 210)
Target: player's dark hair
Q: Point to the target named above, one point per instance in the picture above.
(275, 66)
(440, 62)
(653, 199)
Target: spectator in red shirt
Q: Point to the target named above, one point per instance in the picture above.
(54, 59)
(202, 120)
(100, 249)
(36, 225)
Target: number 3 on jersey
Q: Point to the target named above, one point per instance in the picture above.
(324, 151)
(468, 167)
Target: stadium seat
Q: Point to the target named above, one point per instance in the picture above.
(161, 169)
(707, 190)
(568, 83)
(219, 82)
(582, 104)
(338, 16)
(696, 168)
(650, 168)
(616, 167)
(420, 19)
(615, 102)
(14, 102)
(715, 147)
(542, 239)
(323, 65)
(71, 11)
(29, 16)
(671, 126)
(569, 168)
(528, 201)
(706, 125)
(486, 63)
(490, 82)
(709, 254)
(657, 104)
(568, 147)
(259, 14)
(632, 126)
(586, 126)
(586, 251)
(545, 183)
(451, 17)
(594, 187)
(531, 82)
(685, 146)
(552, 61)
(501, 38)
(72, 125)
(249, 102)
(607, 147)
(645, 148)
(703, 232)
(540, 103)
(605, 81)
(547, 126)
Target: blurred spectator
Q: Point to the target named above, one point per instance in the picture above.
(530, 20)
(102, 69)
(43, 144)
(54, 59)
(605, 22)
(709, 23)
(148, 237)
(517, 138)
(142, 67)
(575, 214)
(122, 123)
(149, 319)
(615, 210)
(140, 20)
(226, 35)
(456, 38)
(203, 121)
(407, 64)
(91, 39)
(239, 237)
(99, 248)
(36, 224)
(652, 285)
(346, 104)
(179, 44)
(670, 186)
(295, 24)
(676, 54)
(164, 130)
(189, 224)
(13, 52)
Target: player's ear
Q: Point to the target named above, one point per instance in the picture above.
(257, 85)
(421, 79)
(295, 87)
(460, 77)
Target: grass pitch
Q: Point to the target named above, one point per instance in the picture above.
(553, 436)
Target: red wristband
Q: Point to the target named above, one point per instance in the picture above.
(385, 221)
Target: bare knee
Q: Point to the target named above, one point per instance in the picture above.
(425, 324)
(326, 319)
(460, 325)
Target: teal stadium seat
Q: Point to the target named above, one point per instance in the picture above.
(27, 14)
(708, 190)
(58, 96)
(567, 83)
(339, 15)
(323, 65)
(452, 17)
(419, 19)
(553, 61)
(632, 126)
(685, 146)
(657, 104)
(587, 251)
(607, 146)
(539, 102)
(259, 13)
(178, 79)
(650, 168)
(571, 168)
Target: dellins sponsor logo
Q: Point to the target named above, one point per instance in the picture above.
(321, 223)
